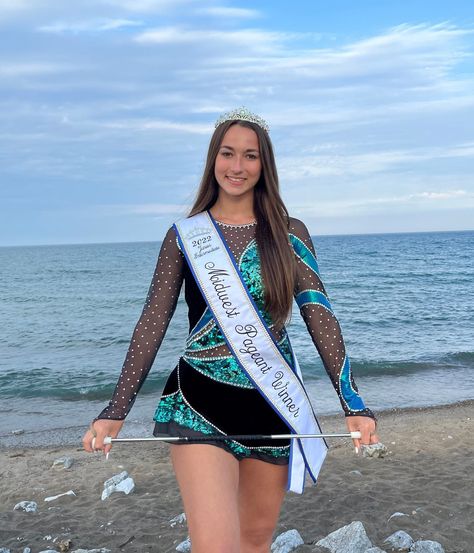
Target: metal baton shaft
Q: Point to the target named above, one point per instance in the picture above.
(239, 437)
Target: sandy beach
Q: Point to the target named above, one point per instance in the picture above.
(427, 475)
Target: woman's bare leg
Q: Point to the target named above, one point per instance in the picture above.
(262, 488)
(208, 478)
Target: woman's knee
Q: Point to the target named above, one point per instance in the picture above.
(256, 537)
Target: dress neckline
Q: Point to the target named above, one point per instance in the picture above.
(234, 225)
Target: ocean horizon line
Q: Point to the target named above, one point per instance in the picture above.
(153, 241)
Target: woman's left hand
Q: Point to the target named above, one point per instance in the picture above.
(366, 427)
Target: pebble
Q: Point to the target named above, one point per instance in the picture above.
(63, 462)
(178, 519)
(396, 515)
(4, 550)
(49, 551)
(118, 483)
(27, 506)
(27, 550)
(374, 550)
(17, 433)
(184, 546)
(427, 546)
(375, 451)
(399, 541)
(348, 539)
(356, 472)
(101, 550)
(287, 541)
(53, 497)
(64, 545)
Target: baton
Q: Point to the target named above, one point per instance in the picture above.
(218, 437)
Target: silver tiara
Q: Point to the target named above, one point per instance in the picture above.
(243, 114)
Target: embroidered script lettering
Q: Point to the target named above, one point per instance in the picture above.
(217, 280)
(251, 350)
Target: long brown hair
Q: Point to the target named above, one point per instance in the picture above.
(278, 266)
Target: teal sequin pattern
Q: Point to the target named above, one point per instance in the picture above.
(250, 269)
(225, 370)
(211, 339)
(174, 408)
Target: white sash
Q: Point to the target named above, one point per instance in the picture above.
(249, 339)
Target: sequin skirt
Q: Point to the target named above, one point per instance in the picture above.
(193, 404)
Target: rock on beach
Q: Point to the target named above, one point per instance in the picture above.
(27, 506)
(399, 541)
(351, 538)
(427, 546)
(287, 541)
(118, 483)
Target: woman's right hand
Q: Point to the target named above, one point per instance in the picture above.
(101, 428)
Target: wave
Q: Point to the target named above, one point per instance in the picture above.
(47, 382)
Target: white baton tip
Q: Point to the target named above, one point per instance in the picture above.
(93, 443)
(107, 440)
(356, 435)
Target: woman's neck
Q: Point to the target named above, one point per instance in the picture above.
(233, 212)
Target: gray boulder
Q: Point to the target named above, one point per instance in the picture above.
(27, 506)
(399, 541)
(4, 550)
(348, 539)
(374, 550)
(287, 541)
(427, 546)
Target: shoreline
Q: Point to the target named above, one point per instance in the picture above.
(8, 439)
(425, 476)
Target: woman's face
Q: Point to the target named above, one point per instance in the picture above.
(238, 165)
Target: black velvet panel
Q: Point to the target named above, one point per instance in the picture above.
(232, 409)
(193, 297)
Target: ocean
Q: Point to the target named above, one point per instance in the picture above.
(404, 302)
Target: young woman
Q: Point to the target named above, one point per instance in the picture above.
(232, 490)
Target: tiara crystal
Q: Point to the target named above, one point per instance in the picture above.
(243, 114)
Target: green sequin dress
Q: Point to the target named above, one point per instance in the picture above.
(207, 392)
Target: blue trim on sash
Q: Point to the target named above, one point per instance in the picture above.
(257, 311)
(292, 366)
(312, 296)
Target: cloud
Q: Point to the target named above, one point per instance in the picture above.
(142, 209)
(248, 38)
(150, 125)
(147, 6)
(23, 69)
(295, 168)
(453, 199)
(89, 26)
(230, 13)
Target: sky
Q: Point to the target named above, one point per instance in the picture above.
(107, 108)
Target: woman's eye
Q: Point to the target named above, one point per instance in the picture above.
(252, 156)
(226, 154)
